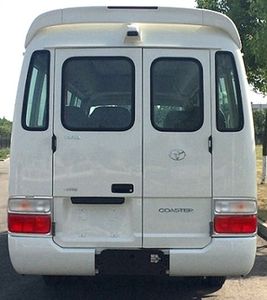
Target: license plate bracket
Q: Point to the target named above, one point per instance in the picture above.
(132, 262)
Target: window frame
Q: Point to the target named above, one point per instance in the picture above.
(27, 92)
(201, 85)
(238, 93)
(133, 82)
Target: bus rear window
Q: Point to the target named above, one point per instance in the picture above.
(98, 93)
(228, 96)
(35, 105)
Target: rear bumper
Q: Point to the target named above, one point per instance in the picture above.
(222, 257)
(33, 255)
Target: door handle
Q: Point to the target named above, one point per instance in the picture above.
(122, 188)
(97, 200)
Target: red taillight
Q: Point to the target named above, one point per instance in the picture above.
(29, 223)
(228, 224)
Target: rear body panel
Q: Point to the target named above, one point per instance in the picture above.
(151, 185)
(88, 163)
(88, 226)
(177, 204)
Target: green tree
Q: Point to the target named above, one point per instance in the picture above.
(250, 17)
(259, 125)
(5, 127)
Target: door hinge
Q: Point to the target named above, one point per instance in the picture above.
(210, 144)
(54, 143)
(53, 229)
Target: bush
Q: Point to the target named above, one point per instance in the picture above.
(4, 152)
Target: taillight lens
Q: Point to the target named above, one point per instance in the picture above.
(235, 224)
(30, 215)
(247, 207)
(29, 223)
(27, 205)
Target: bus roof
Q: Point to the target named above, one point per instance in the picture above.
(149, 15)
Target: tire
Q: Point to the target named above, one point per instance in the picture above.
(214, 282)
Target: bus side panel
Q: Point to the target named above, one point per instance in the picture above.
(31, 153)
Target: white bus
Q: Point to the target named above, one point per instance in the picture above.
(133, 147)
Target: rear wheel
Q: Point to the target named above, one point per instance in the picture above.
(214, 282)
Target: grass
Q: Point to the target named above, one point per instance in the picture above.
(4, 152)
(262, 188)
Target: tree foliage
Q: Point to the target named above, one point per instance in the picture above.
(259, 125)
(5, 127)
(250, 17)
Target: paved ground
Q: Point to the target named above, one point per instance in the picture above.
(4, 169)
